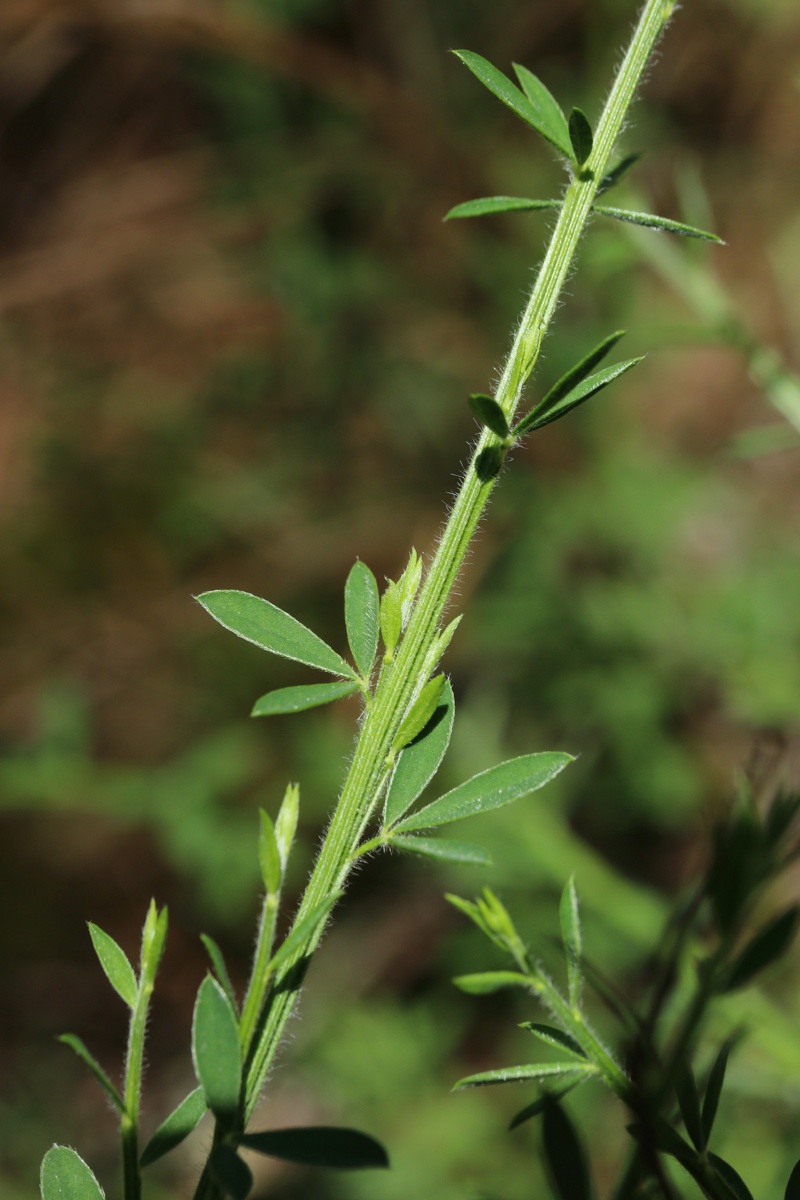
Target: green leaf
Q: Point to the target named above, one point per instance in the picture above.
(269, 855)
(489, 413)
(651, 221)
(443, 849)
(407, 586)
(733, 1180)
(178, 1125)
(75, 1043)
(716, 1078)
(420, 713)
(301, 931)
(489, 205)
(362, 616)
(215, 1049)
(617, 173)
(537, 1107)
(420, 759)
(551, 410)
(689, 1104)
(154, 936)
(582, 370)
(484, 982)
(580, 135)
(524, 1074)
(391, 617)
(220, 970)
(319, 1146)
(65, 1176)
(489, 790)
(793, 1184)
(115, 963)
(502, 87)
(763, 949)
(659, 1133)
(554, 1037)
(272, 629)
(298, 699)
(286, 824)
(552, 122)
(230, 1172)
(573, 942)
(564, 1155)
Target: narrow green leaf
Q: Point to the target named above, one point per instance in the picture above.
(215, 1049)
(689, 1104)
(537, 1107)
(470, 910)
(443, 849)
(502, 87)
(116, 964)
(660, 1134)
(793, 1184)
(440, 645)
(408, 585)
(154, 936)
(484, 982)
(764, 948)
(272, 629)
(554, 1037)
(491, 789)
(298, 699)
(731, 1178)
(582, 370)
(75, 1043)
(177, 1126)
(220, 970)
(65, 1176)
(420, 759)
(230, 1172)
(391, 617)
(573, 942)
(618, 173)
(552, 122)
(319, 1146)
(544, 413)
(524, 1074)
(580, 135)
(300, 932)
(362, 616)
(716, 1078)
(420, 713)
(286, 824)
(489, 413)
(564, 1154)
(489, 205)
(269, 855)
(651, 221)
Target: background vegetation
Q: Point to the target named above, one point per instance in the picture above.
(237, 342)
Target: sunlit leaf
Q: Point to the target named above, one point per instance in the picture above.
(502, 87)
(319, 1146)
(554, 1037)
(362, 616)
(524, 1074)
(65, 1176)
(115, 963)
(215, 1049)
(768, 945)
(552, 122)
(420, 713)
(272, 629)
(230, 1172)
(651, 221)
(490, 789)
(443, 849)
(298, 699)
(573, 944)
(177, 1126)
(553, 410)
(580, 135)
(489, 205)
(564, 1155)
(484, 982)
(420, 759)
(269, 855)
(75, 1043)
(489, 413)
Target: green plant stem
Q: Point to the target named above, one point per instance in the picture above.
(129, 1125)
(259, 981)
(412, 665)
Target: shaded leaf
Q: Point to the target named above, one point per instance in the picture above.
(663, 1137)
(651, 221)
(524, 1074)
(116, 965)
(215, 1049)
(554, 1037)
(689, 1104)
(177, 1126)
(420, 759)
(502, 87)
(552, 410)
(301, 931)
(420, 713)
(319, 1146)
(230, 1172)
(484, 982)
(736, 1185)
(269, 855)
(75, 1043)
(763, 949)
(565, 1157)
(716, 1078)
(362, 616)
(553, 124)
(65, 1176)
(443, 849)
(220, 970)
(618, 173)
(298, 699)
(571, 936)
(580, 135)
(793, 1184)
(272, 629)
(490, 789)
(537, 1107)
(489, 413)
(489, 205)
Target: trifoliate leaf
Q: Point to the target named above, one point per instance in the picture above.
(580, 136)
(651, 221)
(298, 699)
(489, 413)
(362, 616)
(489, 205)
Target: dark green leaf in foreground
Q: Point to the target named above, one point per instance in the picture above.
(764, 948)
(319, 1146)
(552, 122)
(420, 760)
(537, 1107)
(793, 1184)
(443, 849)
(272, 629)
(489, 413)
(65, 1176)
(215, 1049)
(651, 221)
(178, 1125)
(484, 982)
(618, 173)
(298, 699)
(421, 712)
(553, 1037)
(230, 1172)
(716, 1078)
(115, 963)
(689, 1104)
(489, 205)
(362, 616)
(663, 1137)
(502, 87)
(733, 1180)
(571, 936)
(75, 1043)
(552, 410)
(220, 970)
(564, 1155)
(580, 135)
(582, 370)
(491, 789)
(526, 1073)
